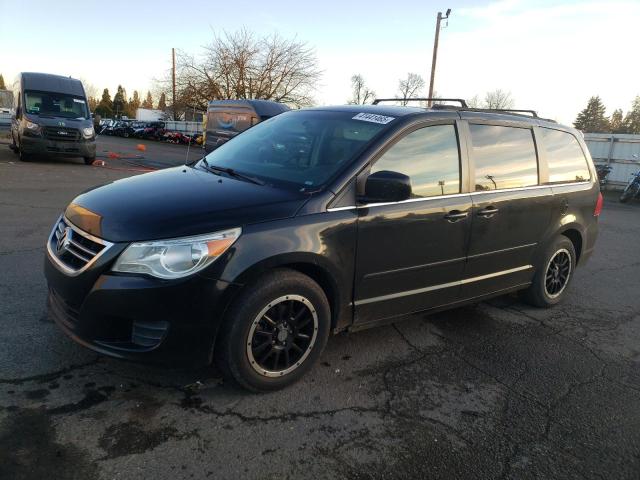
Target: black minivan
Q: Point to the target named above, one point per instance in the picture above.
(318, 221)
(52, 118)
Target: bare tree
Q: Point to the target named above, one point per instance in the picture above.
(474, 102)
(410, 87)
(361, 94)
(498, 99)
(242, 66)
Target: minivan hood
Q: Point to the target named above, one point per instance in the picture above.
(177, 202)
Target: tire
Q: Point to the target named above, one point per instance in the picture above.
(13, 145)
(125, 134)
(24, 157)
(630, 192)
(542, 295)
(240, 349)
(89, 160)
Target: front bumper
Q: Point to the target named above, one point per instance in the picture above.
(173, 323)
(44, 146)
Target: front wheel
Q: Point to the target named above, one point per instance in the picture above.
(630, 192)
(553, 274)
(22, 155)
(275, 331)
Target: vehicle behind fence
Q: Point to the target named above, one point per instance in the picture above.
(621, 152)
(5, 121)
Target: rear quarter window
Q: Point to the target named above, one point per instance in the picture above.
(566, 159)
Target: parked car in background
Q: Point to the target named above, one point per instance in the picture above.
(153, 131)
(318, 221)
(6, 101)
(52, 118)
(123, 128)
(227, 118)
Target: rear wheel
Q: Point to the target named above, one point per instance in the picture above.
(553, 274)
(275, 331)
(630, 192)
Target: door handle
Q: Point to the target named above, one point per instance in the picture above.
(488, 212)
(455, 215)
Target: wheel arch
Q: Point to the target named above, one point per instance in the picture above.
(576, 238)
(315, 267)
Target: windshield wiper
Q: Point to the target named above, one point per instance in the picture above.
(232, 172)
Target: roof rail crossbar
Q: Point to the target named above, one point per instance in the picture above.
(533, 113)
(462, 103)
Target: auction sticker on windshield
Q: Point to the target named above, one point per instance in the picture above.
(372, 117)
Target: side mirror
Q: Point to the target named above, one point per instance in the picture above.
(386, 186)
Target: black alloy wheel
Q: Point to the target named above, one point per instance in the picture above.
(282, 335)
(557, 274)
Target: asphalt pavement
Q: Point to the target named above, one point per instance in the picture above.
(496, 390)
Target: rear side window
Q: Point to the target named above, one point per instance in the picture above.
(429, 157)
(504, 157)
(567, 162)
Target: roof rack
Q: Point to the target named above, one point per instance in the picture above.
(533, 113)
(463, 104)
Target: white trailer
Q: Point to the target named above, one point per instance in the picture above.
(148, 115)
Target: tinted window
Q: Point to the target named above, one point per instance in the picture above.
(429, 156)
(505, 157)
(301, 149)
(566, 159)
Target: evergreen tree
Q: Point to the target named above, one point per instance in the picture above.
(592, 119)
(632, 120)
(120, 102)
(616, 122)
(105, 107)
(2, 85)
(162, 103)
(148, 102)
(133, 105)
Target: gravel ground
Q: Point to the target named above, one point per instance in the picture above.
(497, 390)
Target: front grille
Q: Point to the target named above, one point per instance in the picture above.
(61, 134)
(73, 249)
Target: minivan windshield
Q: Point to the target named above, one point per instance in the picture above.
(302, 149)
(55, 104)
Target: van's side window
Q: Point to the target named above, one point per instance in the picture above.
(505, 157)
(429, 157)
(567, 162)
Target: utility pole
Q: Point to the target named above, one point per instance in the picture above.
(173, 81)
(435, 51)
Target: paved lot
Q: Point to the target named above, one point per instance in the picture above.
(499, 390)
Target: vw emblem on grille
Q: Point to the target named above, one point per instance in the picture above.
(61, 124)
(63, 242)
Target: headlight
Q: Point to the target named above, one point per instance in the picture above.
(88, 132)
(177, 257)
(32, 126)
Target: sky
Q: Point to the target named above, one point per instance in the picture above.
(551, 55)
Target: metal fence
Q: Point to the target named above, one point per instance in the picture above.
(621, 151)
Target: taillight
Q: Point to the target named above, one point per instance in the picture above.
(598, 208)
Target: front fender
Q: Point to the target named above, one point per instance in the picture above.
(323, 245)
